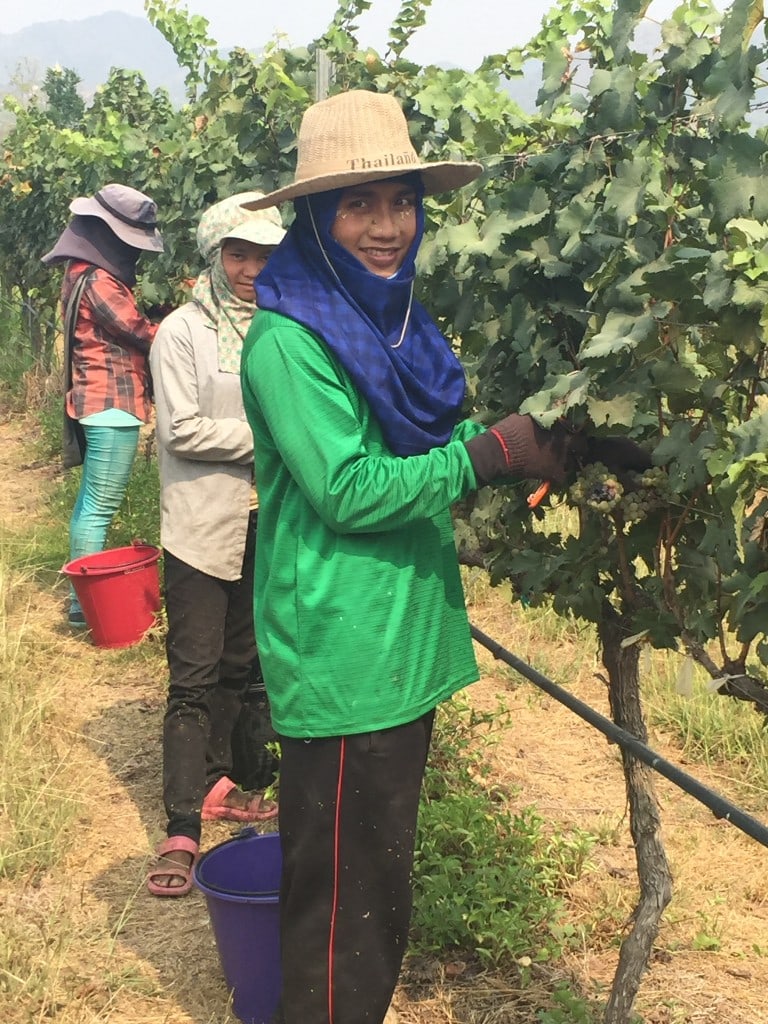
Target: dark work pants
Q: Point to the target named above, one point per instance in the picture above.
(348, 809)
(211, 652)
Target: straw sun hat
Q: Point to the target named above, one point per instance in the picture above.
(360, 136)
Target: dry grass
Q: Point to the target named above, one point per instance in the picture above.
(81, 942)
(37, 807)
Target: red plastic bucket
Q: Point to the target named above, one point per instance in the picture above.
(119, 592)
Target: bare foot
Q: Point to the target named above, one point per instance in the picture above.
(163, 873)
(248, 800)
(171, 870)
(227, 802)
(240, 799)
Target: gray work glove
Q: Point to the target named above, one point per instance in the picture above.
(518, 447)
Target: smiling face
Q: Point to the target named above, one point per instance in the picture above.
(243, 262)
(376, 222)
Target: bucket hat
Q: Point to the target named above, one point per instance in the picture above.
(129, 213)
(360, 136)
(229, 219)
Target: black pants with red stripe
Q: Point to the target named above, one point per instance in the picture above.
(348, 809)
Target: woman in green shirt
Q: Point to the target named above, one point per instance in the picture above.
(354, 400)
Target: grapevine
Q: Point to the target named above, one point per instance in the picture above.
(609, 265)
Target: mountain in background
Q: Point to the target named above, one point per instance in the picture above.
(90, 46)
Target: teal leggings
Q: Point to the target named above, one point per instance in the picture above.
(109, 456)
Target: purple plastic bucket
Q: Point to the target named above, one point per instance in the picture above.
(240, 880)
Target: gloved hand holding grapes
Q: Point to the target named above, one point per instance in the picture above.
(518, 447)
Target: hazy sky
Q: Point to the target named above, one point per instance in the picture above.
(457, 31)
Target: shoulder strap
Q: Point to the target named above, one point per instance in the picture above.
(70, 320)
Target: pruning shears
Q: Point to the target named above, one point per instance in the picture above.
(538, 495)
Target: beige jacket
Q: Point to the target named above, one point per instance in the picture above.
(205, 447)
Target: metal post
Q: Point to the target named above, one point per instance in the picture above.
(323, 73)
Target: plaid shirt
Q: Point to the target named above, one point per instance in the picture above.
(110, 368)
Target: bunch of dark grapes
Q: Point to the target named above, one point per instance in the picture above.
(597, 488)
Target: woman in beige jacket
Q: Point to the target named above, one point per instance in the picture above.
(208, 528)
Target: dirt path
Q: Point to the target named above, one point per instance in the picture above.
(133, 959)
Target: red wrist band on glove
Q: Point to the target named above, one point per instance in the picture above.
(503, 444)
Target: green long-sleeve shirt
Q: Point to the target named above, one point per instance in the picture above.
(360, 615)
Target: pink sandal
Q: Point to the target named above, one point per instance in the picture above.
(214, 808)
(167, 869)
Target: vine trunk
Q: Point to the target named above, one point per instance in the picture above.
(654, 876)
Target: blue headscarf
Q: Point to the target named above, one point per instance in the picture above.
(412, 381)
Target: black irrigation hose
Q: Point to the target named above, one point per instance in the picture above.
(719, 806)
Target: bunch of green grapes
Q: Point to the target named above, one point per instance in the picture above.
(650, 490)
(656, 479)
(596, 488)
(636, 505)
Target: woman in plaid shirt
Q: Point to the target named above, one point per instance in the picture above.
(110, 393)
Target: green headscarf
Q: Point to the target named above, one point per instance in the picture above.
(231, 315)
